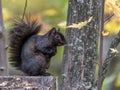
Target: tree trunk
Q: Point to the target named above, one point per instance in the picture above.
(3, 58)
(80, 55)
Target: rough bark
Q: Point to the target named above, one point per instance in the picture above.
(28, 83)
(3, 58)
(80, 53)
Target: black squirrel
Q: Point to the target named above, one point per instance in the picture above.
(29, 51)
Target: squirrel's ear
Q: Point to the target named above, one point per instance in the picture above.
(52, 31)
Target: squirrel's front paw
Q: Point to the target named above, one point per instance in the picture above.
(46, 74)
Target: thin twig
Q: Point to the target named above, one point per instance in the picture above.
(107, 59)
(110, 55)
(108, 18)
(24, 9)
(101, 45)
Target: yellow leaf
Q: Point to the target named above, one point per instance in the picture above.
(104, 33)
(49, 12)
(62, 24)
(114, 50)
(6, 14)
(89, 20)
(117, 82)
(80, 24)
(117, 2)
(113, 26)
(109, 6)
(112, 7)
(116, 11)
(13, 1)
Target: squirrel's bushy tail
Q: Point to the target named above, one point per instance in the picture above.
(21, 31)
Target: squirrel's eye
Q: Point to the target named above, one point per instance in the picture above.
(57, 36)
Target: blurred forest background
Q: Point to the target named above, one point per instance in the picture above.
(49, 13)
(54, 14)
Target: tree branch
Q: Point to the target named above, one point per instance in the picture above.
(107, 61)
(101, 44)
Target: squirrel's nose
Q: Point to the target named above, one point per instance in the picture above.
(63, 43)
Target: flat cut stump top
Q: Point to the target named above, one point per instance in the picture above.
(28, 83)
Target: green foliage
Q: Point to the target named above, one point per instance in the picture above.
(59, 8)
(107, 81)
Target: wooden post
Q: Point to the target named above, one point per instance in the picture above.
(28, 83)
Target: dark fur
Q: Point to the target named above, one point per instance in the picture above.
(21, 31)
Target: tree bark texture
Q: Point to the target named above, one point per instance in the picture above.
(28, 83)
(80, 55)
(3, 58)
